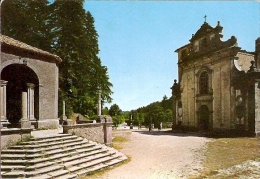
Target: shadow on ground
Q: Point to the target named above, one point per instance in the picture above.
(169, 132)
(187, 134)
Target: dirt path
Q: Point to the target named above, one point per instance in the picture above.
(158, 155)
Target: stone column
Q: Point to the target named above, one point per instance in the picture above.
(99, 103)
(24, 106)
(30, 101)
(64, 108)
(4, 121)
(63, 117)
(25, 123)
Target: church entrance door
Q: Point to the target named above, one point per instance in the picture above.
(204, 117)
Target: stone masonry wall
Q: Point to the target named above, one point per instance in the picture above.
(11, 137)
(94, 132)
(221, 89)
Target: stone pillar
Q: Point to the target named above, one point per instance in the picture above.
(257, 107)
(4, 121)
(99, 103)
(24, 106)
(63, 117)
(107, 129)
(25, 123)
(30, 101)
(64, 108)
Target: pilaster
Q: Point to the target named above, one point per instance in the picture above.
(257, 107)
(4, 120)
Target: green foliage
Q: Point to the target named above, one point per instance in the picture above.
(63, 28)
(155, 113)
(118, 120)
(114, 110)
(26, 21)
(117, 115)
(105, 111)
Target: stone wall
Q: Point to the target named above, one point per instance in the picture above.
(221, 88)
(11, 137)
(98, 132)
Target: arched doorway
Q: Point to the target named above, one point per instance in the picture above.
(204, 117)
(21, 80)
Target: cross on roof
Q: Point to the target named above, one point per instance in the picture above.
(205, 18)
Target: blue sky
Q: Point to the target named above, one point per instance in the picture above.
(137, 40)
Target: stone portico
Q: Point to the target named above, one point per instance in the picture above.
(29, 86)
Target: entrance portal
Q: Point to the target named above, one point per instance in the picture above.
(21, 80)
(204, 117)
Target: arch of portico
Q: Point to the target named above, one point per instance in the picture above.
(20, 94)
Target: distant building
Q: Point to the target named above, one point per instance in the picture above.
(219, 84)
(29, 86)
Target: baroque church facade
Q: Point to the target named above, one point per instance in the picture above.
(219, 84)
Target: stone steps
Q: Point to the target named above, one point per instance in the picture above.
(47, 140)
(37, 146)
(62, 156)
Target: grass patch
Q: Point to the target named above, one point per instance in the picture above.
(227, 152)
(119, 139)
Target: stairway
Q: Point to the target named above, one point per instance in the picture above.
(62, 156)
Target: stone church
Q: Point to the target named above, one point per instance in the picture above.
(219, 84)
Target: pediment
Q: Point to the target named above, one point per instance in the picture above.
(203, 31)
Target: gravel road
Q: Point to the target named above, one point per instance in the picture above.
(159, 155)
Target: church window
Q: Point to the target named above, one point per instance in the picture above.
(203, 83)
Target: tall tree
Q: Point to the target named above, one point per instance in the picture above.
(26, 21)
(67, 30)
(114, 110)
(76, 42)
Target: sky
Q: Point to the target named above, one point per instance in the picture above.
(137, 40)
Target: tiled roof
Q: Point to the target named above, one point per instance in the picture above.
(7, 41)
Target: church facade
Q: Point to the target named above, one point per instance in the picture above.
(218, 87)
